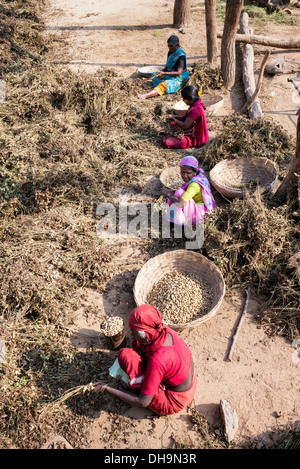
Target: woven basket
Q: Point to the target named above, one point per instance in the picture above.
(234, 178)
(182, 261)
(180, 108)
(212, 103)
(170, 174)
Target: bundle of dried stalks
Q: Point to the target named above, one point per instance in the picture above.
(206, 78)
(46, 260)
(252, 242)
(240, 137)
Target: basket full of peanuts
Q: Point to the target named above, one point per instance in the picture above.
(114, 332)
(185, 286)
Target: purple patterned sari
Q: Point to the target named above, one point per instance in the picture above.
(192, 212)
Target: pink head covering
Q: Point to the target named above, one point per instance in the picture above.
(190, 161)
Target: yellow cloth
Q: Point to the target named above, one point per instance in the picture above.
(161, 88)
(193, 191)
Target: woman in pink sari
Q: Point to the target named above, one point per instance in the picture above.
(189, 204)
(158, 370)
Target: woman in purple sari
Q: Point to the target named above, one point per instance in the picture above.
(189, 204)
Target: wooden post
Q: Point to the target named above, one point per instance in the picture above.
(228, 59)
(247, 66)
(211, 30)
(182, 13)
(253, 99)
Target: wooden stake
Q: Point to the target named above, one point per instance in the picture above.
(239, 326)
(259, 83)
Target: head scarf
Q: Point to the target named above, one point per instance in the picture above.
(208, 198)
(190, 161)
(148, 319)
(174, 40)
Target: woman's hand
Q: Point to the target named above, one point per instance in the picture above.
(141, 400)
(99, 387)
(166, 192)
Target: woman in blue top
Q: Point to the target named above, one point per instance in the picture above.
(175, 74)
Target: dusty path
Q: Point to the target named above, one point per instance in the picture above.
(262, 381)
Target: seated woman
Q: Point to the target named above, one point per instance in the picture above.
(189, 204)
(173, 76)
(158, 369)
(193, 121)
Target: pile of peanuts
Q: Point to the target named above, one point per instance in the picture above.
(174, 182)
(181, 297)
(112, 326)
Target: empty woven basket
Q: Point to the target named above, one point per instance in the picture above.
(171, 178)
(233, 178)
(182, 261)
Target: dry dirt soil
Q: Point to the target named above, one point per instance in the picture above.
(262, 381)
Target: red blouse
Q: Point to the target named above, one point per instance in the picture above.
(168, 364)
(200, 132)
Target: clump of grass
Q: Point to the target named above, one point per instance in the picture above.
(290, 441)
(208, 437)
(261, 14)
(21, 40)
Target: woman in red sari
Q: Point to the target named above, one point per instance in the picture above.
(159, 367)
(193, 122)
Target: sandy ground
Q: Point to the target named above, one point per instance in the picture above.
(262, 381)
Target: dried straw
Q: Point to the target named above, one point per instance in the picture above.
(73, 392)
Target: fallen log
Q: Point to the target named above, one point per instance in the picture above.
(266, 41)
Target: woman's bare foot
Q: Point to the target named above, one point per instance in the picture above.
(151, 94)
(140, 96)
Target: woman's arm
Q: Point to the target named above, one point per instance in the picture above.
(140, 400)
(167, 192)
(174, 116)
(170, 194)
(178, 200)
(186, 124)
(172, 73)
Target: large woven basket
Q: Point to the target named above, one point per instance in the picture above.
(183, 261)
(234, 178)
(171, 178)
(212, 103)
